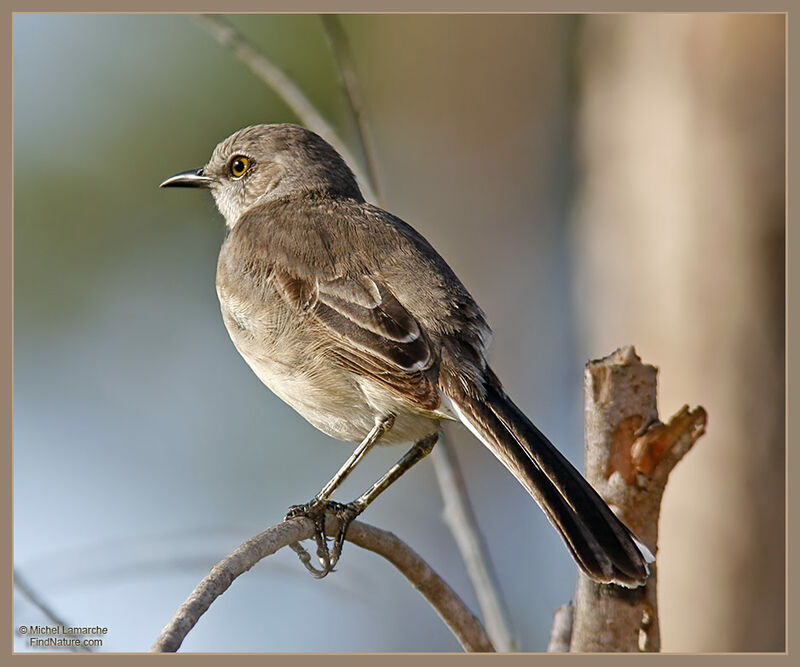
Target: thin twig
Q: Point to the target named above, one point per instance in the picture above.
(461, 621)
(444, 600)
(460, 518)
(340, 45)
(22, 585)
(275, 78)
(458, 512)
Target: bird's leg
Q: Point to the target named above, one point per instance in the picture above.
(348, 466)
(315, 509)
(347, 513)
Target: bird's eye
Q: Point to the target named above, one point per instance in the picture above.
(239, 165)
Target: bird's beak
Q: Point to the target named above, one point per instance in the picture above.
(192, 178)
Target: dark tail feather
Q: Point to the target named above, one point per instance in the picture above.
(600, 543)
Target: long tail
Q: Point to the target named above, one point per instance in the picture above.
(601, 544)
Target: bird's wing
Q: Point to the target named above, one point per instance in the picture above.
(372, 333)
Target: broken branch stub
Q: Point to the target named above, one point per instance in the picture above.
(629, 455)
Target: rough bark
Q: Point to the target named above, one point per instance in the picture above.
(629, 456)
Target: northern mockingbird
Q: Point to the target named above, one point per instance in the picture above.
(351, 317)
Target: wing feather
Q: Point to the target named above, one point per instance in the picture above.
(375, 335)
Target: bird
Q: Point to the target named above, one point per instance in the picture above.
(350, 316)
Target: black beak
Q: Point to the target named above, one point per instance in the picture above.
(192, 178)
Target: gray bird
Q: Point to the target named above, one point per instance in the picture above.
(351, 317)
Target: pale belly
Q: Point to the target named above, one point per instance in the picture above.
(334, 400)
(340, 405)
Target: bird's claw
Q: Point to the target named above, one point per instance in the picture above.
(316, 511)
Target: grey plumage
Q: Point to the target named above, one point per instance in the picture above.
(349, 315)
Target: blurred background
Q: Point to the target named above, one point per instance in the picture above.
(595, 181)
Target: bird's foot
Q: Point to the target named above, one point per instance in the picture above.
(316, 511)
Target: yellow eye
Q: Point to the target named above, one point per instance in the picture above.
(239, 165)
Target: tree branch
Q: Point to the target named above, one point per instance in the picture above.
(340, 45)
(464, 625)
(629, 455)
